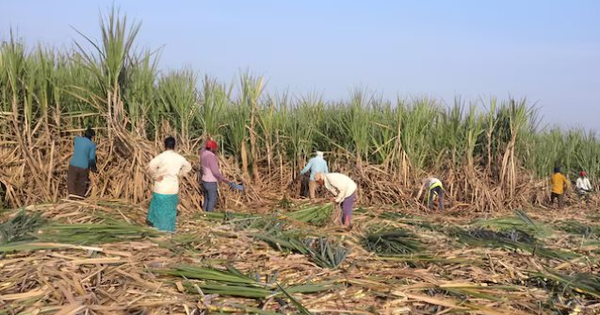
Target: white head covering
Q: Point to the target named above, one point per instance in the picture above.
(320, 153)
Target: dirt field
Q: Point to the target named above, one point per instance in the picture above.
(393, 261)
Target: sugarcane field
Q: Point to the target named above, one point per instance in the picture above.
(129, 187)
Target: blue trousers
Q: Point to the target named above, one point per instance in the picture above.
(211, 195)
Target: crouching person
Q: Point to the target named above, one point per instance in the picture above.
(434, 187)
(344, 188)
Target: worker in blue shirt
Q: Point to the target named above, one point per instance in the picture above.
(83, 160)
(315, 165)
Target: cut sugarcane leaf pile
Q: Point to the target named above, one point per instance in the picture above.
(21, 227)
(513, 239)
(392, 242)
(223, 216)
(584, 283)
(578, 228)
(318, 215)
(265, 224)
(325, 252)
(233, 282)
(521, 221)
(89, 234)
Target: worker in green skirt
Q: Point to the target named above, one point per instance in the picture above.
(165, 169)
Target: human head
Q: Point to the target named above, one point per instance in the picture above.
(212, 145)
(170, 143)
(582, 174)
(320, 153)
(320, 178)
(89, 133)
(557, 169)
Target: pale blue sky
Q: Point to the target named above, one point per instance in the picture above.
(547, 51)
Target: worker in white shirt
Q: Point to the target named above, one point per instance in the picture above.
(165, 169)
(434, 188)
(344, 190)
(583, 186)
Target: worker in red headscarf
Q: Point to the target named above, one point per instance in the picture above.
(211, 175)
(583, 186)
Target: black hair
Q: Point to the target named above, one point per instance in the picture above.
(89, 133)
(170, 143)
(557, 169)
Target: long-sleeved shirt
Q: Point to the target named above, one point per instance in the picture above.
(169, 165)
(340, 185)
(316, 165)
(559, 183)
(210, 167)
(84, 152)
(583, 183)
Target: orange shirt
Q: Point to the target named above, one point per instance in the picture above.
(559, 183)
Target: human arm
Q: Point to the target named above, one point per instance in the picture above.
(92, 158)
(420, 191)
(567, 184)
(186, 167)
(306, 168)
(153, 166)
(341, 195)
(589, 184)
(340, 189)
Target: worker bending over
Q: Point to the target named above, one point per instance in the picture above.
(434, 188)
(344, 188)
(584, 187)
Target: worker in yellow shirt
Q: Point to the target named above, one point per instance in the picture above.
(559, 184)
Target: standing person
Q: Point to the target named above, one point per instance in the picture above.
(344, 188)
(84, 159)
(211, 175)
(315, 165)
(559, 184)
(434, 188)
(584, 187)
(165, 169)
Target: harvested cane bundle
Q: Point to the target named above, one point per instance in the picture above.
(392, 242)
(318, 215)
(326, 253)
(86, 234)
(224, 216)
(21, 227)
(520, 221)
(233, 282)
(586, 283)
(514, 239)
(266, 224)
(576, 227)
